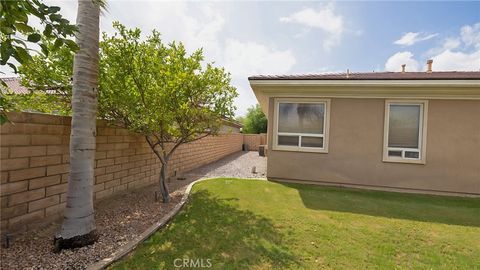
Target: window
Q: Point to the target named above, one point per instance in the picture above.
(405, 131)
(301, 125)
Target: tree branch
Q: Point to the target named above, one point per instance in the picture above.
(200, 137)
(174, 148)
(152, 146)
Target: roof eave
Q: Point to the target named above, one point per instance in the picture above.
(412, 89)
(390, 83)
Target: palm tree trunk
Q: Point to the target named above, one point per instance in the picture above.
(78, 227)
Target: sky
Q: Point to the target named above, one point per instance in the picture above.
(251, 38)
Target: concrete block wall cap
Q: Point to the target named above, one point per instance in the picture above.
(129, 247)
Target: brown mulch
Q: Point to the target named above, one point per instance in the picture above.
(118, 220)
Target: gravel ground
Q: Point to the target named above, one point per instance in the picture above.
(119, 219)
(236, 165)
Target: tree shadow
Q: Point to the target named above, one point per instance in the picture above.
(463, 211)
(215, 230)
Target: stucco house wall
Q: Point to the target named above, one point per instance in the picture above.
(356, 146)
(355, 149)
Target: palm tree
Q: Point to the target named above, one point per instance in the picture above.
(78, 228)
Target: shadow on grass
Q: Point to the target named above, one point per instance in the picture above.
(215, 230)
(417, 207)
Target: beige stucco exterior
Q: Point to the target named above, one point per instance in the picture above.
(356, 141)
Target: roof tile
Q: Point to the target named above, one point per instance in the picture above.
(14, 85)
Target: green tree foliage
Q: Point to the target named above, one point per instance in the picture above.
(16, 32)
(240, 119)
(49, 79)
(52, 72)
(162, 92)
(255, 121)
(38, 101)
(5, 106)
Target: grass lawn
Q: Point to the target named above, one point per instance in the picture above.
(249, 224)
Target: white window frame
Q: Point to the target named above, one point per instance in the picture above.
(422, 134)
(326, 126)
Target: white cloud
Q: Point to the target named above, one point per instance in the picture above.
(245, 58)
(451, 43)
(325, 19)
(411, 38)
(395, 62)
(457, 61)
(197, 26)
(461, 53)
(457, 53)
(448, 44)
(471, 35)
(248, 58)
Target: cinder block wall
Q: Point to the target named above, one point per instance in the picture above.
(35, 156)
(254, 140)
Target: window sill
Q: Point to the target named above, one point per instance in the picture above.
(300, 149)
(402, 160)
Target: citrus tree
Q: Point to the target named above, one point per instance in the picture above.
(162, 92)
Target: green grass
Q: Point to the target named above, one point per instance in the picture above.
(248, 224)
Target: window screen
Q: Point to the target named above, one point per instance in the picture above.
(404, 131)
(301, 118)
(404, 126)
(301, 124)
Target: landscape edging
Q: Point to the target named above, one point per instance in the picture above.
(124, 250)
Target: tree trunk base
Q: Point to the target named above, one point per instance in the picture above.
(79, 241)
(166, 199)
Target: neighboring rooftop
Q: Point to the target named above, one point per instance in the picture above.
(435, 75)
(232, 122)
(14, 85)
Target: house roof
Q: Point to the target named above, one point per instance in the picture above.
(14, 85)
(406, 85)
(436, 75)
(232, 123)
